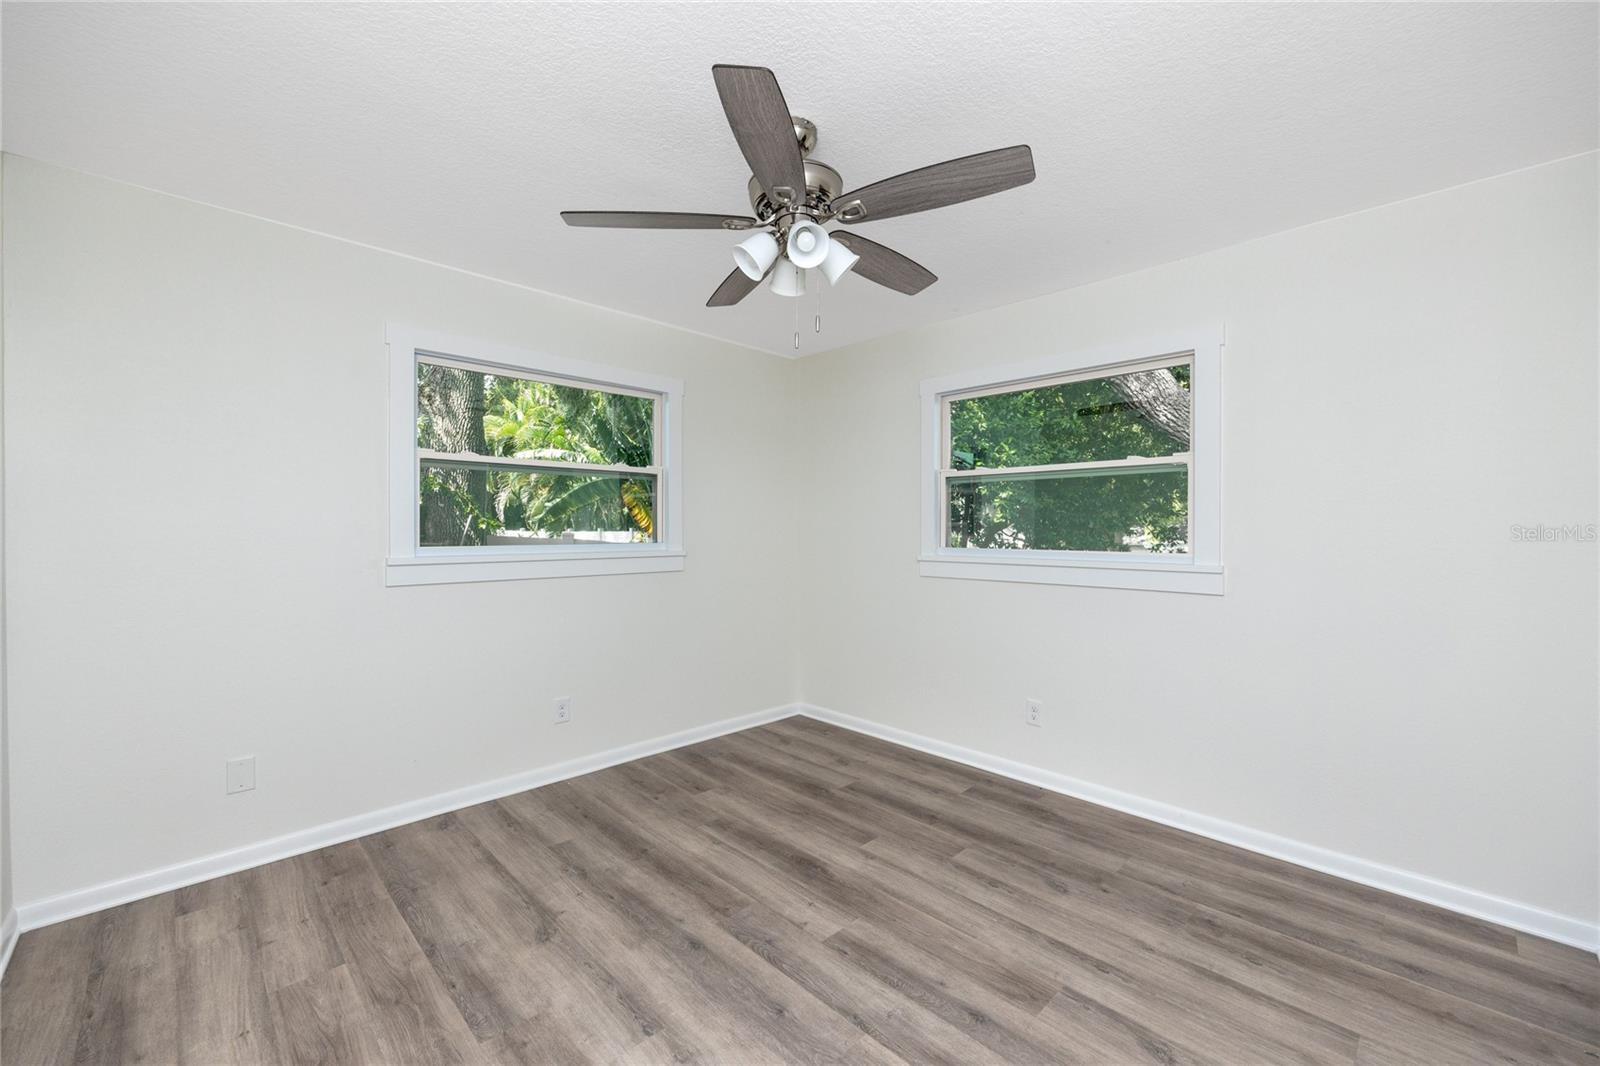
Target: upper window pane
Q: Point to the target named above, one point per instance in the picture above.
(1140, 413)
(500, 415)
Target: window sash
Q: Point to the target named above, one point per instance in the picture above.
(552, 544)
(1069, 469)
(1176, 461)
(1160, 362)
(428, 457)
(477, 366)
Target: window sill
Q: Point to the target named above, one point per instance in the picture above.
(457, 569)
(1151, 576)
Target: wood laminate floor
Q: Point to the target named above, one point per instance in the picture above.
(790, 893)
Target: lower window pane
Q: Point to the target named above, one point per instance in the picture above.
(463, 505)
(1105, 511)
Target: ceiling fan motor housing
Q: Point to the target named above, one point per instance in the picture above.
(823, 183)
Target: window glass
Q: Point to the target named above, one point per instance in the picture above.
(501, 461)
(491, 414)
(1097, 464)
(464, 504)
(1137, 509)
(1143, 413)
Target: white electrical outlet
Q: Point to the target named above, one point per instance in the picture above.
(1032, 712)
(563, 710)
(241, 774)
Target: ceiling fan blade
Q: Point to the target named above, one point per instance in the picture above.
(764, 129)
(885, 265)
(655, 220)
(939, 185)
(734, 287)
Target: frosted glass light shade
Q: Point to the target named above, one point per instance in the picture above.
(755, 254)
(838, 260)
(808, 244)
(788, 279)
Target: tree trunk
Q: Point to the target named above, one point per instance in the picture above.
(450, 403)
(1158, 398)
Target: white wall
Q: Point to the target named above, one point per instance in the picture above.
(194, 408)
(1389, 674)
(195, 413)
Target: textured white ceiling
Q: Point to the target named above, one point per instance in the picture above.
(456, 132)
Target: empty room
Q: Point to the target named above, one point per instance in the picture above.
(745, 533)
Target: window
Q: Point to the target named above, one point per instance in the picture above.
(509, 464)
(1096, 469)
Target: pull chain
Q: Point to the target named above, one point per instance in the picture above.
(819, 309)
(797, 312)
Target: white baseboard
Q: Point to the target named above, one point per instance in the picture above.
(1514, 915)
(1506, 912)
(8, 939)
(153, 882)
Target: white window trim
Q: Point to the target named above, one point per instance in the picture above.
(1198, 571)
(407, 564)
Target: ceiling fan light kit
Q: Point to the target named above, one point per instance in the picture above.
(794, 197)
(838, 260)
(788, 279)
(755, 255)
(807, 245)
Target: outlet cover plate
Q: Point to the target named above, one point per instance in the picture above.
(241, 774)
(1033, 712)
(563, 710)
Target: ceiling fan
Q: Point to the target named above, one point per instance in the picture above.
(794, 196)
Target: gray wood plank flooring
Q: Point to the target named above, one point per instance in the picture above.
(792, 893)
